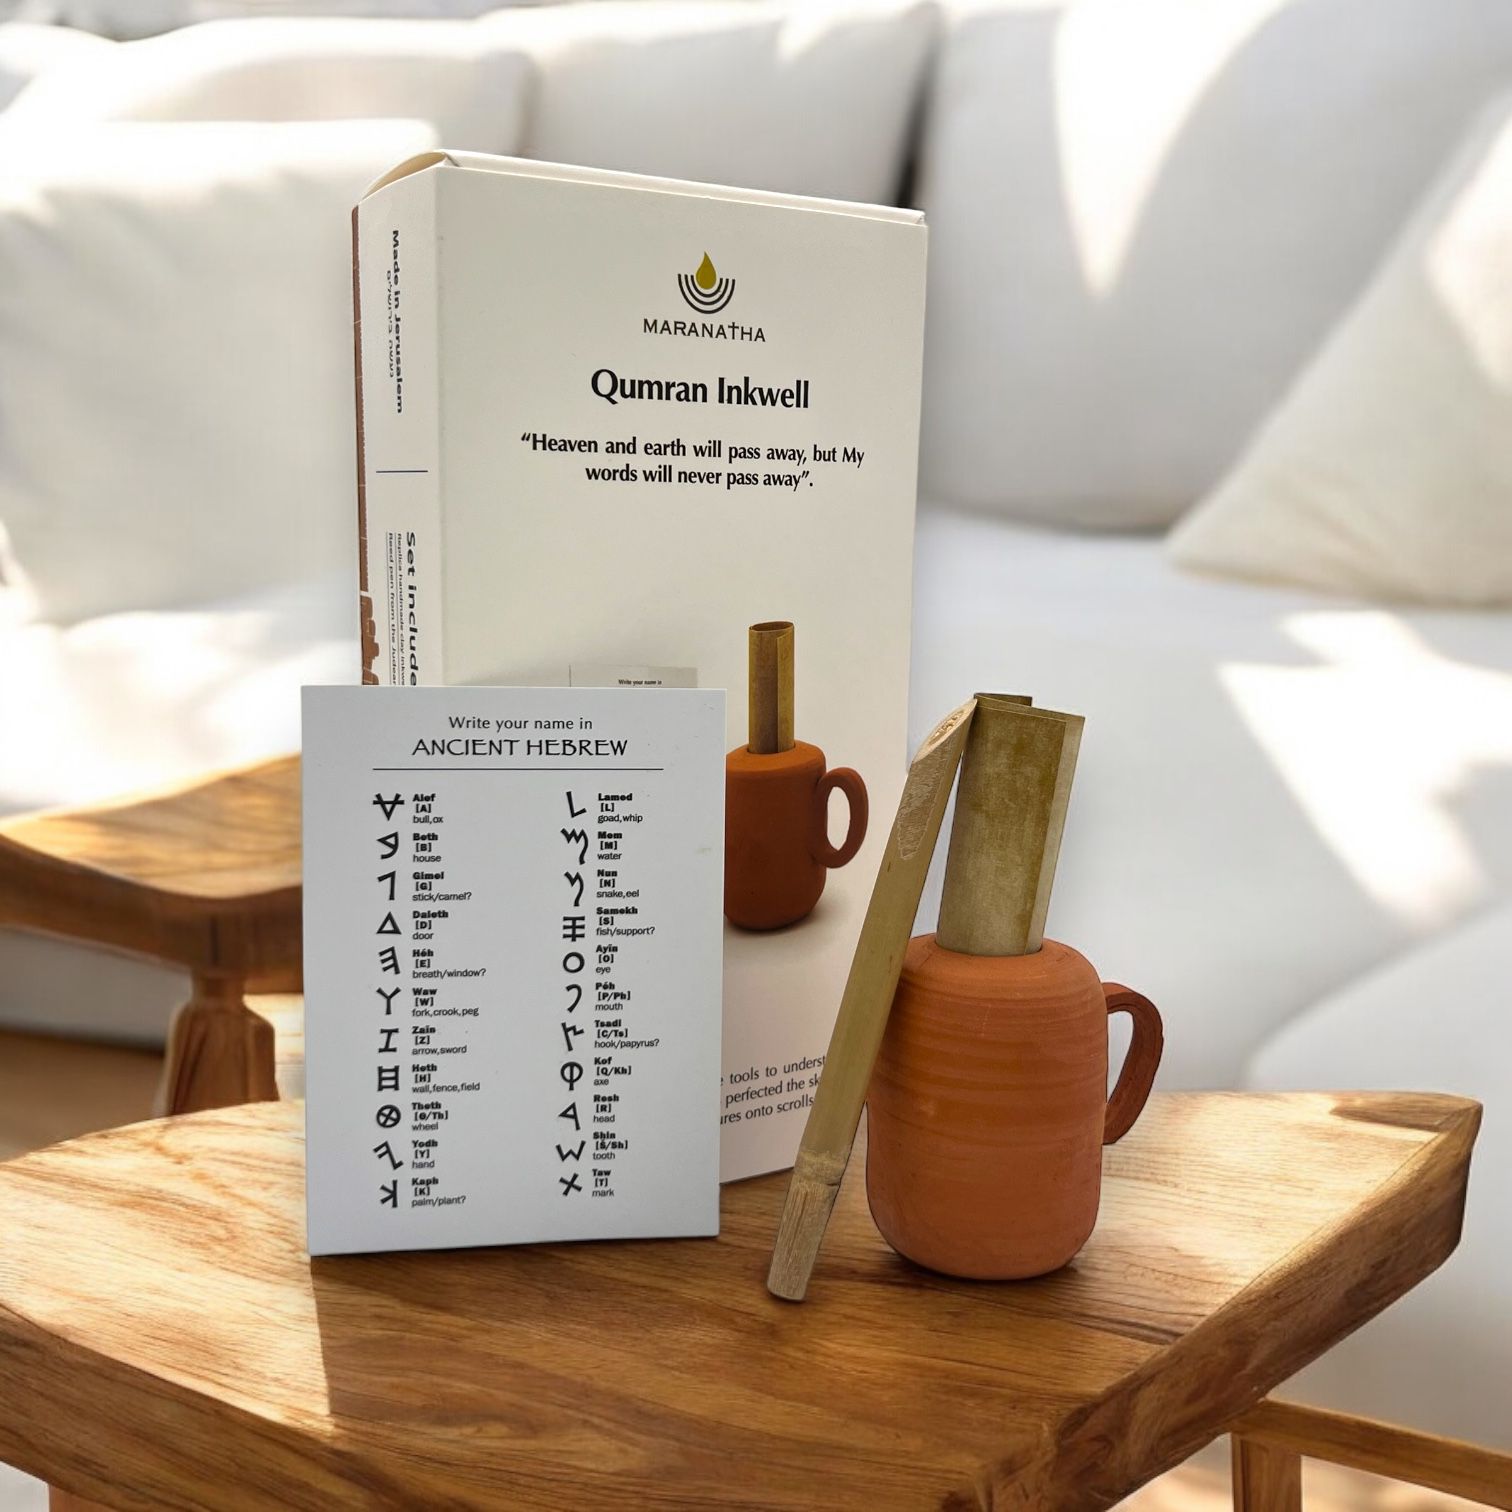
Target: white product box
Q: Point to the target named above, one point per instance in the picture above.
(611, 421)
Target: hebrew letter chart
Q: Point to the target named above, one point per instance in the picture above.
(512, 916)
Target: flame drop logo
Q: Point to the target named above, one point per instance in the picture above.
(704, 290)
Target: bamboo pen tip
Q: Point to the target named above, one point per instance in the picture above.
(805, 1215)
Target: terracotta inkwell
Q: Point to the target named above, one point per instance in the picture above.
(777, 847)
(988, 1105)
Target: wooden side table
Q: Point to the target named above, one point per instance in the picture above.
(206, 877)
(165, 1342)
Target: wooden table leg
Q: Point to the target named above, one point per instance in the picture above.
(220, 1053)
(1266, 1478)
(1456, 1468)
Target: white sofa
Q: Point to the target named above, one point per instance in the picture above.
(1293, 816)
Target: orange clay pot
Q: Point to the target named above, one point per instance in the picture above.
(989, 1107)
(777, 845)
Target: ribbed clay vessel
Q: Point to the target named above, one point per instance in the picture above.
(988, 1107)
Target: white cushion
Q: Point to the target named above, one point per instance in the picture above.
(808, 99)
(1147, 214)
(1435, 1021)
(146, 18)
(1387, 471)
(296, 69)
(138, 699)
(175, 357)
(1276, 790)
(27, 51)
(133, 702)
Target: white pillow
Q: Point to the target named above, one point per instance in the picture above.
(27, 51)
(124, 19)
(176, 357)
(1145, 216)
(300, 69)
(1387, 471)
(807, 99)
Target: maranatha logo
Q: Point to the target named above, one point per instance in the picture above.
(704, 290)
(706, 293)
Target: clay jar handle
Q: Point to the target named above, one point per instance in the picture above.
(849, 782)
(1140, 1064)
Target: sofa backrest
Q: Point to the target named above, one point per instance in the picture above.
(1145, 216)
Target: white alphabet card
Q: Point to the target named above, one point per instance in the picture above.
(513, 934)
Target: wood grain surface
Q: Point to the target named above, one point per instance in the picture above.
(205, 875)
(53, 1089)
(165, 1342)
(224, 836)
(1266, 1479)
